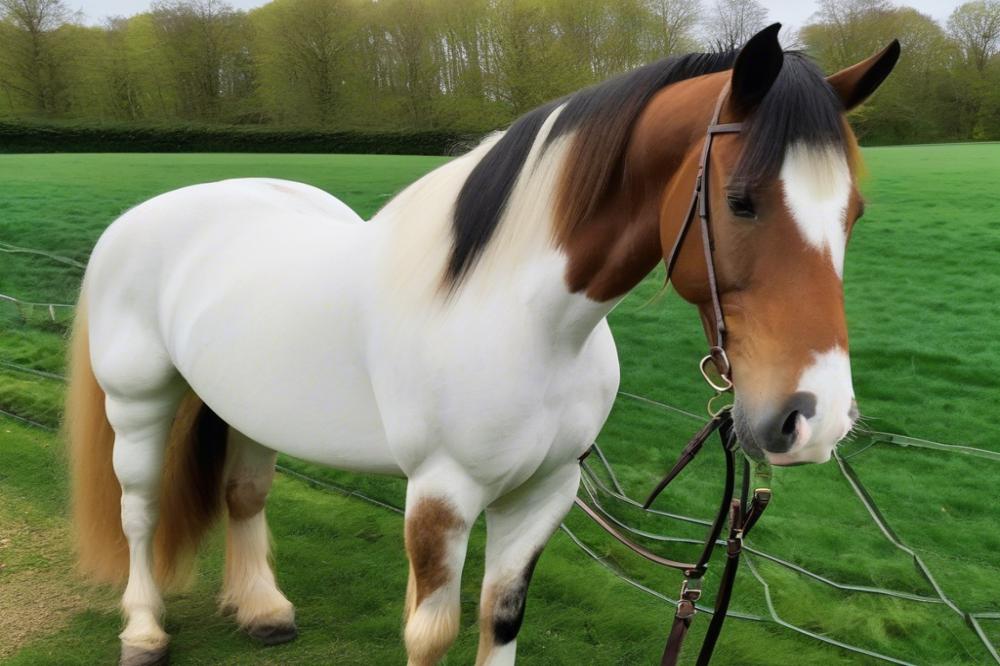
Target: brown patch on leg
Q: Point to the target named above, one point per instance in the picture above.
(428, 527)
(432, 527)
(246, 497)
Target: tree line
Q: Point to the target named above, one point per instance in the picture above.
(459, 65)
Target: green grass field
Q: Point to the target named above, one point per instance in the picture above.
(921, 280)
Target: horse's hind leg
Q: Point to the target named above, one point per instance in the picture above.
(249, 587)
(141, 427)
(518, 526)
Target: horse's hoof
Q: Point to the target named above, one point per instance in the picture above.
(137, 656)
(274, 634)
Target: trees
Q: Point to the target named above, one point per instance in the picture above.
(32, 59)
(975, 26)
(470, 65)
(975, 30)
(304, 49)
(732, 22)
(674, 23)
(208, 56)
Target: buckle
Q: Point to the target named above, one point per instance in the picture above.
(734, 545)
(691, 589)
(690, 594)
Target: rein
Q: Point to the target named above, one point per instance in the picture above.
(740, 511)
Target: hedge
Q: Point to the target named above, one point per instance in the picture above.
(17, 137)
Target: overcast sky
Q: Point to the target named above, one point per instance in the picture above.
(792, 13)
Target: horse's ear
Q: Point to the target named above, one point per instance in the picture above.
(854, 84)
(756, 68)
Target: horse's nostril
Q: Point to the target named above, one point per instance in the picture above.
(790, 424)
(780, 433)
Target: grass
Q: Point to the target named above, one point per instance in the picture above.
(920, 282)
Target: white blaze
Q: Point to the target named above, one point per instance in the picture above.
(817, 184)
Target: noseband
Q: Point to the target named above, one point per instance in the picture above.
(741, 512)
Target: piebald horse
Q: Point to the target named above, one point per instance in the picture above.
(459, 337)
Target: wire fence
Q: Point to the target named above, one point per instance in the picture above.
(610, 489)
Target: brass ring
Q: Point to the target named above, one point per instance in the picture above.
(723, 388)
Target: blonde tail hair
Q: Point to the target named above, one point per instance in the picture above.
(191, 492)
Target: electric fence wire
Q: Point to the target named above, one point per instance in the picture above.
(14, 249)
(22, 304)
(593, 486)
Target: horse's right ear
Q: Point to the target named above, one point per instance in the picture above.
(756, 68)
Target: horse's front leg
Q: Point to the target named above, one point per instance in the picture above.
(442, 504)
(518, 526)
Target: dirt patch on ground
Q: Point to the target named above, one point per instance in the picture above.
(38, 593)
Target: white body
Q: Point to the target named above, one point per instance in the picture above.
(277, 305)
(314, 333)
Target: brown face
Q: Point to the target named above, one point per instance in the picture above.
(779, 259)
(779, 256)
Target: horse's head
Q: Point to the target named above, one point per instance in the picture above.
(782, 202)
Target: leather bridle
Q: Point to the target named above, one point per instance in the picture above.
(740, 511)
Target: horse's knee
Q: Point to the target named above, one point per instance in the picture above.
(435, 547)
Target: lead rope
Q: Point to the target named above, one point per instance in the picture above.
(740, 513)
(742, 516)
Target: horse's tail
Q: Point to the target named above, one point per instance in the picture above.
(191, 492)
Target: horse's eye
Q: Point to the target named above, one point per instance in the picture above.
(741, 206)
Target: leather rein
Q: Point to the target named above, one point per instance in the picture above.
(741, 511)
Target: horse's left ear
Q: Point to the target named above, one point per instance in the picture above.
(756, 68)
(854, 84)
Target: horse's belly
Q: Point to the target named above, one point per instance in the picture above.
(280, 389)
(321, 413)
(270, 331)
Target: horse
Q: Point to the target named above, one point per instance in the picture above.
(458, 338)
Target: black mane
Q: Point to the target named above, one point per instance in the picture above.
(801, 106)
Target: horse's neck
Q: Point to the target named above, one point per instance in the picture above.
(620, 243)
(572, 282)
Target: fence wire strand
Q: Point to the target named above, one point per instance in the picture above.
(14, 249)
